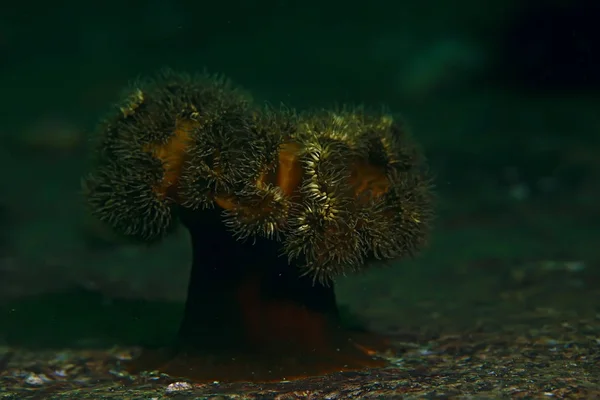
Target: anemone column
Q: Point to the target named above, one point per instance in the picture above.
(244, 296)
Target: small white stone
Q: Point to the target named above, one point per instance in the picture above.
(61, 373)
(34, 380)
(178, 387)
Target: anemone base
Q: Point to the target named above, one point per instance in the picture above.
(291, 364)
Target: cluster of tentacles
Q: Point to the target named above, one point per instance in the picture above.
(336, 187)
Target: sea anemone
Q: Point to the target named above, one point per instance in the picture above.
(278, 204)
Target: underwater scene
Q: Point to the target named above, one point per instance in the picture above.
(300, 200)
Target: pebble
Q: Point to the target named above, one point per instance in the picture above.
(37, 380)
(178, 387)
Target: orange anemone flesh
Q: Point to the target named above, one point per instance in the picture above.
(292, 341)
(369, 178)
(289, 174)
(172, 155)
